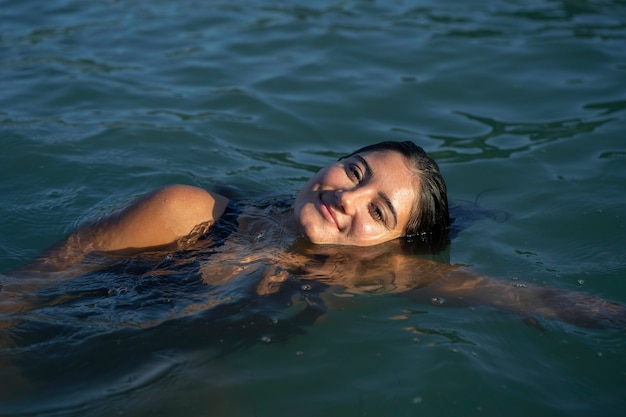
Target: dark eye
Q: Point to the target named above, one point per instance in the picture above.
(354, 172)
(377, 213)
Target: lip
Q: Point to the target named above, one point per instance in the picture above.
(328, 213)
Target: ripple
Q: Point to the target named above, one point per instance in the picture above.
(504, 139)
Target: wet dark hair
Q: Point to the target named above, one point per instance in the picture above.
(430, 217)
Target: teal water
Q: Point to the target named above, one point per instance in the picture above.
(523, 103)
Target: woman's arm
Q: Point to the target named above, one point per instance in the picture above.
(460, 286)
(155, 219)
(380, 270)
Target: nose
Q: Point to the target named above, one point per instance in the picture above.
(349, 200)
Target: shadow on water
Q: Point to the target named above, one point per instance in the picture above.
(608, 107)
(465, 213)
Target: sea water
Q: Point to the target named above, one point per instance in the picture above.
(523, 104)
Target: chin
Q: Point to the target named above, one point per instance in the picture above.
(311, 236)
(314, 235)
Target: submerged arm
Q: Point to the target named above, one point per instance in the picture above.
(463, 287)
(366, 271)
(156, 219)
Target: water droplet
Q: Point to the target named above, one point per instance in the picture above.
(520, 285)
(305, 287)
(266, 339)
(581, 282)
(438, 300)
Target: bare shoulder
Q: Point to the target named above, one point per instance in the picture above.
(184, 206)
(188, 197)
(159, 217)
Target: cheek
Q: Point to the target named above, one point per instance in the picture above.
(329, 176)
(308, 220)
(306, 193)
(325, 178)
(335, 175)
(368, 233)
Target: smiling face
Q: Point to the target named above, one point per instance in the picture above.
(362, 200)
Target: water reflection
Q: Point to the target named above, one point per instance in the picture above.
(514, 137)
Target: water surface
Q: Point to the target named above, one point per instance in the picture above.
(522, 103)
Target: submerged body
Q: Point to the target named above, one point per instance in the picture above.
(254, 248)
(348, 228)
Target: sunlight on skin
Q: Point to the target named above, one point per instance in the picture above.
(358, 200)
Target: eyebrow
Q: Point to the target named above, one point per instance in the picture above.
(369, 172)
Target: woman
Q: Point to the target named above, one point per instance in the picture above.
(376, 194)
(348, 227)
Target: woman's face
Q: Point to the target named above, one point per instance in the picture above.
(362, 200)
